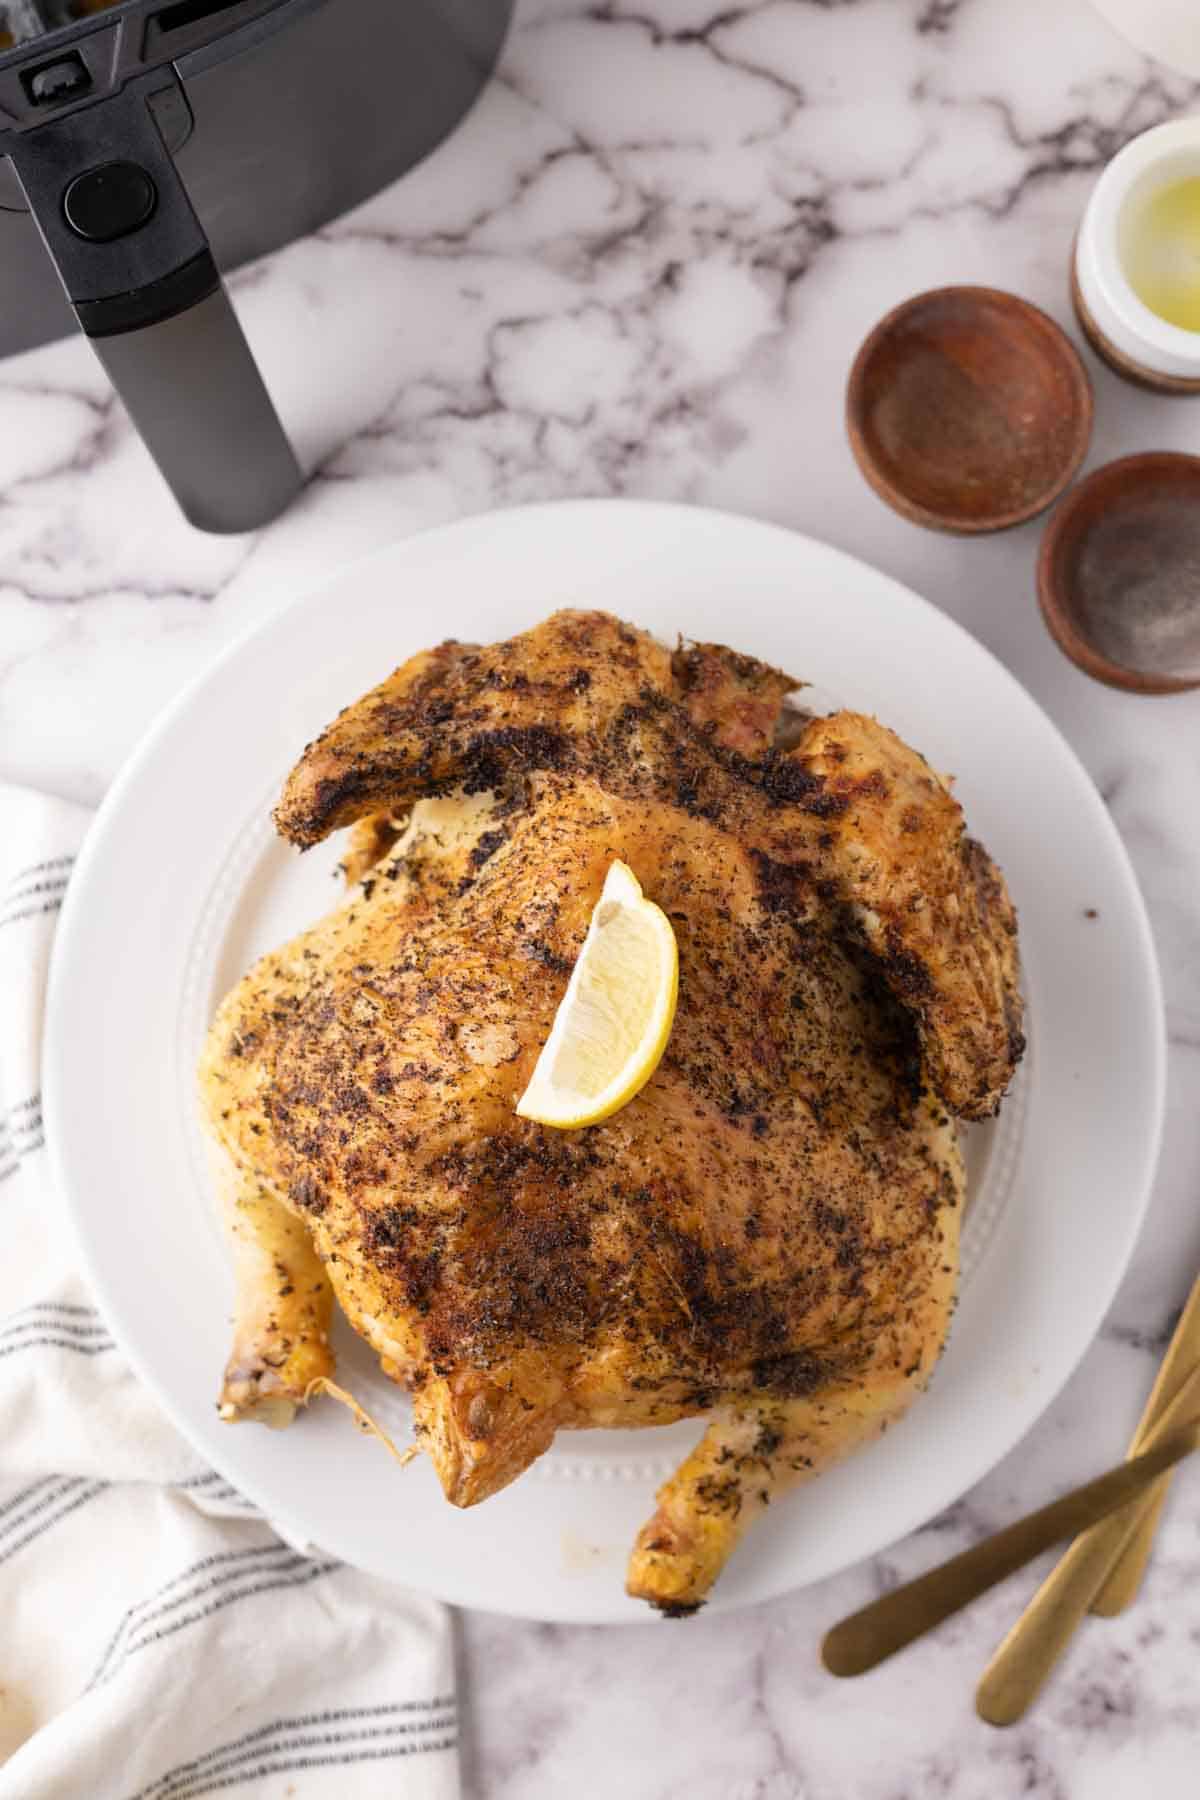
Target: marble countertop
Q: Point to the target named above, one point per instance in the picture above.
(642, 268)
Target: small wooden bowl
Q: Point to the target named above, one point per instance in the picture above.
(1119, 574)
(968, 409)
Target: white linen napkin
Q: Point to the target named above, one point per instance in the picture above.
(157, 1640)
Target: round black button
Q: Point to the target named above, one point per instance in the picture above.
(110, 201)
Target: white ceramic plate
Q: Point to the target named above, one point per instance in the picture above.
(181, 882)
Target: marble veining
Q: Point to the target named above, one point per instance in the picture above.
(642, 267)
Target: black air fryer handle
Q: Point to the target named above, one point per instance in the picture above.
(131, 253)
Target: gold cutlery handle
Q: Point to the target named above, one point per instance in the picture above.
(1124, 1578)
(1014, 1677)
(1183, 1353)
(888, 1624)
(1016, 1673)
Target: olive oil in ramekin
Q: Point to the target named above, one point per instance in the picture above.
(1160, 250)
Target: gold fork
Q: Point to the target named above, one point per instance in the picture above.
(896, 1619)
(1183, 1353)
(1017, 1672)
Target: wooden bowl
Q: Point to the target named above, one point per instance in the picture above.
(968, 409)
(1119, 573)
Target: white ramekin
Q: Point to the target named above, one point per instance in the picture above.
(1121, 327)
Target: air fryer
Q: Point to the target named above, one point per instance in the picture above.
(151, 145)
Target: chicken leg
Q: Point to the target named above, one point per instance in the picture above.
(753, 1453)
(283, 1304)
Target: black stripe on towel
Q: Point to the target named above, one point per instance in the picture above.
(195, 1483)
(295, 1579)
(18, 1500)
(62, 1307)
(12, 1155)
(31, 912)
(18, 1154)
(52, 1321)
(46, 1342)
(196, 1581)
(81, 1492)
(270, 1741)
(63, 1485)
(422, 1747)
(47, 885)
(21, 1128)
(11, 1138)
(39, 868)
(21, 1121)
(33, 1104)
(202, 1490)
(311, 1571)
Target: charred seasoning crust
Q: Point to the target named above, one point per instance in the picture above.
(490, 759)
(766, 1214)
(779, 776)
(493, 758)
(524, 1245)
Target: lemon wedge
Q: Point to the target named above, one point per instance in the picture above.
(614, 1020)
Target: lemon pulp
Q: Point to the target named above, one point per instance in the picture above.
(613, 1022)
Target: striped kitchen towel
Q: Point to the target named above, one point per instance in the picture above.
(157, 1640)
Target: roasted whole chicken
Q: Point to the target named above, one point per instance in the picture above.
(767, 1233)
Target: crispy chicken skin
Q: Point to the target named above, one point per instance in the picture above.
(769, 1229)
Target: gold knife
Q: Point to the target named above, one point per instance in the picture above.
(1015, 1676)
(876, 1632)
(1183, 1353)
